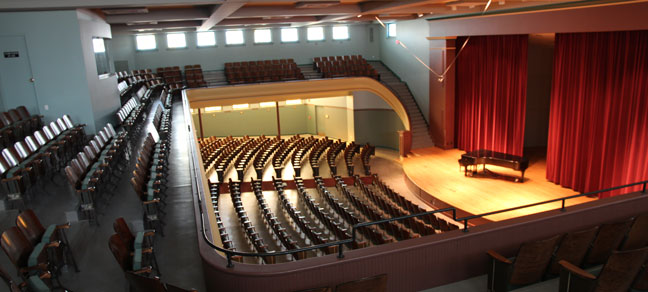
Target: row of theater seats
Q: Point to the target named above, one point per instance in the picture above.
(41, 155)
(344, 66)
(194, 76)
(621, 247)
(37, 253)
(171, 75)
(16, 124)
(151, 170)
(135, 254)
(93, 172)
(262, 71)
(365, 151)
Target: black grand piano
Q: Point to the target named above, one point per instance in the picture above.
(481, 156)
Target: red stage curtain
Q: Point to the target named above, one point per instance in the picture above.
(598, 125)
(491, 93)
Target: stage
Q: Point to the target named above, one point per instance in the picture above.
(436, 172)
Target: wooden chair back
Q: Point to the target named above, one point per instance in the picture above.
(532, 260)
(620, 270)
(30, 226)
(121, 228)
(572, 248)
(16, 246)
(608, 239)
(121, 252)
(638, 234)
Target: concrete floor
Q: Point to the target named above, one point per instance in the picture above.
(55, 202)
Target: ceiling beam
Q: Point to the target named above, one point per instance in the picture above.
(377, 7)
(159, 26)
(258, 21)
(220, 13)
(269, 11)
(161, 15)
(17, 5)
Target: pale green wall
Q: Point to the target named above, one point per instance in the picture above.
(412, 33)
(335, 126)
(214, 58)
(256, 122)
(54, 45)
(377, 127)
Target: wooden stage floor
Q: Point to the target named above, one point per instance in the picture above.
(436, 171)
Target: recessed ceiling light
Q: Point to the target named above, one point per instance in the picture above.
(420, 14)
(359, 15)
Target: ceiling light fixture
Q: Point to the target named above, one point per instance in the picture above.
(359, 15)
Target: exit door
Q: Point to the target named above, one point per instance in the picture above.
(16, 79)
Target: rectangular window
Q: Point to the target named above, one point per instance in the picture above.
(211, 109)
(98, 45)
(234, 37)
(391, 30)
(262, 36)
(341, 32)
(289, 35)
(176, 41)
(205, 39)
(240, 106)
(145, 42)
(315, 33)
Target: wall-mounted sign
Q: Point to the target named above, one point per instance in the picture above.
(13, 54)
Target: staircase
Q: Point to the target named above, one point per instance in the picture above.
(215, 78)
(419, 127)
(309, 72)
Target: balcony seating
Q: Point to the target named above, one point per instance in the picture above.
(572, 248)
(149, 180)
(124, 257)
(26, 163)
(344, 66)
(93, 171)
(141, 244)
(171, 75)
(36, 233)
(16, 124)
(526, 268)
(194, 76)
(607, 239)
(262, 71)
(25, 257)
(637, 236)
(617, 274)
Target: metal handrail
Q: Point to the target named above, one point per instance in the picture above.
(197, 179)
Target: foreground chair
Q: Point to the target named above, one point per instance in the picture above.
(34, 283)
(35, 232)
(528, 266)
(572, 248)
(608, 239)
(140, 244)
(617, 273)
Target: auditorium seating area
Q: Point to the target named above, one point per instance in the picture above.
(194, 76)
(344, 66)
(318, 206)
(16, 124)
(27, 163)
(262, 71)
(576, 257)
